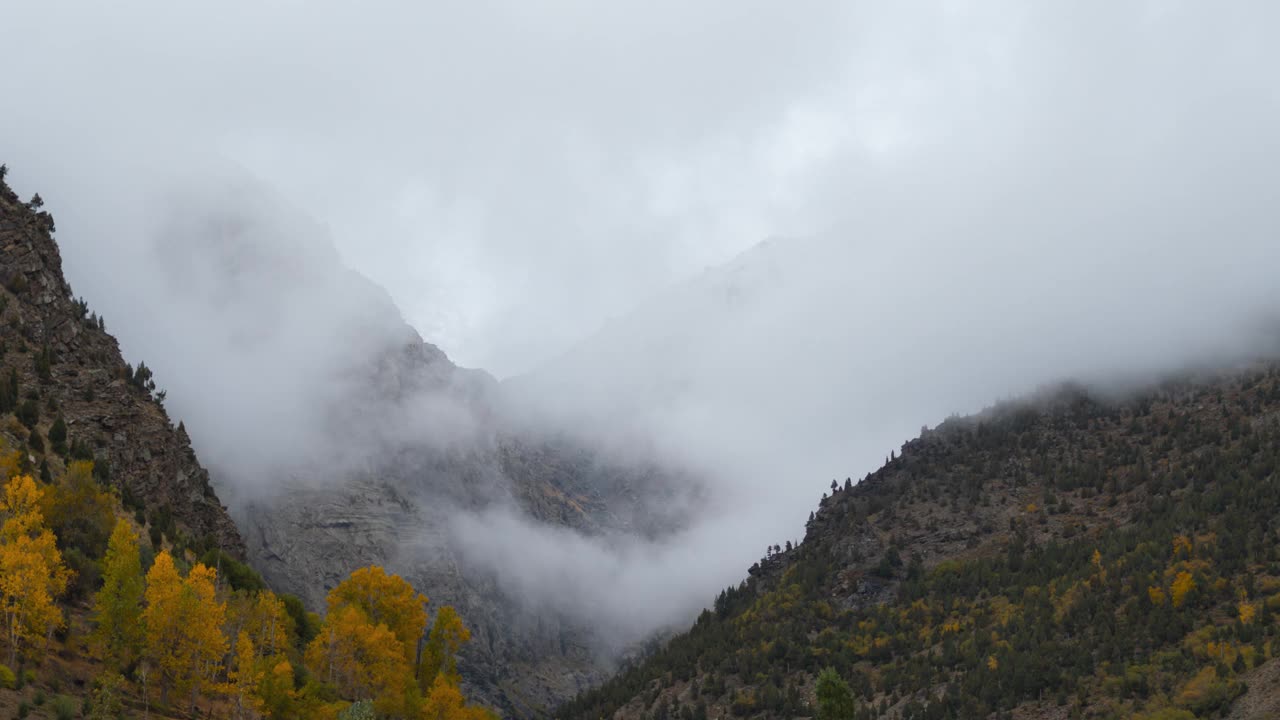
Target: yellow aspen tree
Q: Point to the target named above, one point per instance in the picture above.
(1183, 584)
(245, 678)
(278, 699)
(32, 575)
(446, 702)
(117, 607)
(361, 660)
(1248, 611)
(385, 599)
(183, 621)
(206, 615)
(440, 656)
(162, 619)
(269, 624)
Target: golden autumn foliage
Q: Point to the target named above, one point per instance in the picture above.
(361, 659)
(1247, 611)
(384, 599)
(1204, 691)
(1156, 595)
(1183, 583)
(32, 574)
(445, 702)
(245, 679)
(171, 628)
(276, 693)
(368, 645)
(183, 621)
(1182, 546)
(10, 462)
(262, 615)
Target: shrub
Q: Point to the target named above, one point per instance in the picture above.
(8, 680)
(58, 436)
(236, 573)
(64, 708)
(308, 624)
(80, 511)
(29, 413)
(87, 574)
(362, 710)
(106, 698)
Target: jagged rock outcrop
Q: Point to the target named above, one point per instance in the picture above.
(129, 433)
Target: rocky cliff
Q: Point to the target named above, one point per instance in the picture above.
(67, 366)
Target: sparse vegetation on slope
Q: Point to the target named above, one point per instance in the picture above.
(1068, 557)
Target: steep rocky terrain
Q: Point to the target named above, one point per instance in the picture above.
(60, 363)
(1074, 555)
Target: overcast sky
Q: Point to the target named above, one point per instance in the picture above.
(516, 173)
(513, 173)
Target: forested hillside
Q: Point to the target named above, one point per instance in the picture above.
(1070, 556)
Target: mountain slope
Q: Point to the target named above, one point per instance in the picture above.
(1075, 555)
(67, 366)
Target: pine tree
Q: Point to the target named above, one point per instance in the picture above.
(58, 436)
(835, 699)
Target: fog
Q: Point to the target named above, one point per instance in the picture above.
(963, 202)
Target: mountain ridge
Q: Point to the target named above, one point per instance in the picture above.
(1099, 506)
